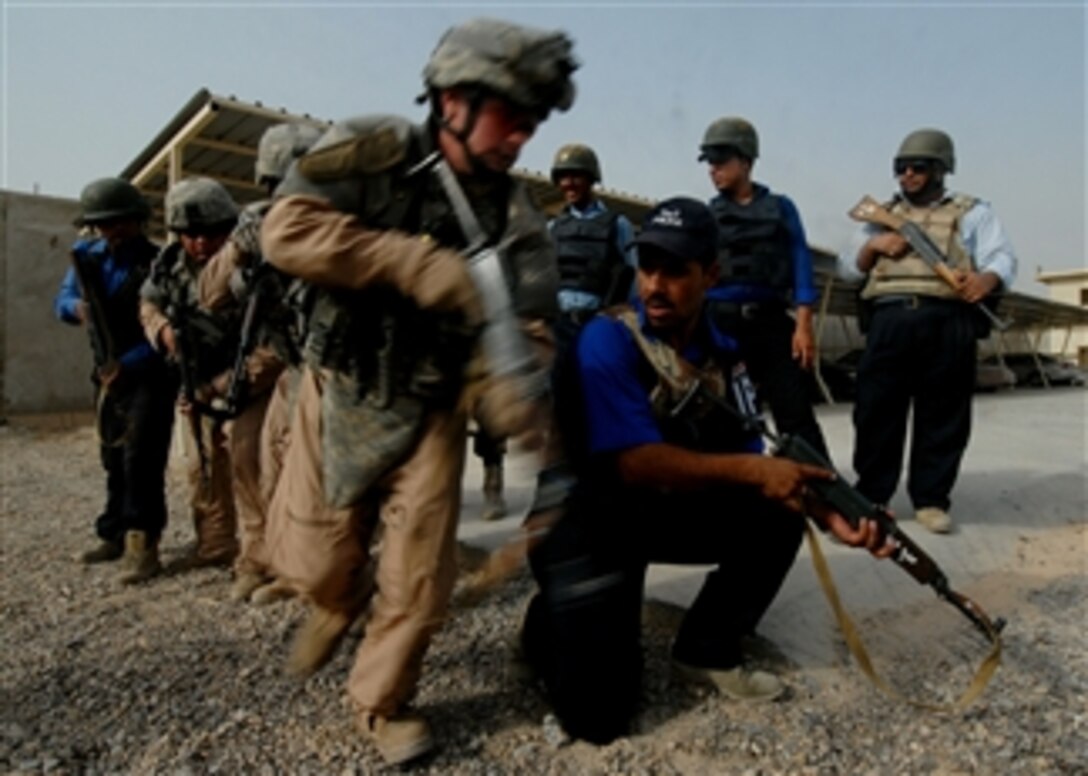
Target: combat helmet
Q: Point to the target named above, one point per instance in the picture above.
(575, 157)
(196, 203)
(928, 144)
(279, 146)
(731, 131)
(106, 199)
(530, 67)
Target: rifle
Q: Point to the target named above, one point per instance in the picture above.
(105, 353)
(261, 284)
(868, 210)
(853, 506)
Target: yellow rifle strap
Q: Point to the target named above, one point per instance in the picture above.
(853, 641)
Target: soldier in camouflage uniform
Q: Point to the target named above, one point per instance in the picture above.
(202, 214)
(373, 217)
(235, 278)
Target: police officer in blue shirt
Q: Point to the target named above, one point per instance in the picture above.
(134, 388)
(765, 269)
(663, 477)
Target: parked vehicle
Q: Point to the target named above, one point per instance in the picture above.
(1027, 372)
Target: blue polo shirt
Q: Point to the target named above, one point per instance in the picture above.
(612, 370)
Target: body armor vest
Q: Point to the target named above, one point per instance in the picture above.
(910, 274)
(677, 390)
(753, 243)
(587, 250)
(209, 341)
(386, 362)
(121, 308)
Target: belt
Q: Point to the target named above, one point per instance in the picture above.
(912, 301)
(747, 310)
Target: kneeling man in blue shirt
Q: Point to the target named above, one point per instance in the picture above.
(664, 477)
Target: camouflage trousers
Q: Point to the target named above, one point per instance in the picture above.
(250, 500)
(324, 552)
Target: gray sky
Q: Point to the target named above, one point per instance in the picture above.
(831, 87)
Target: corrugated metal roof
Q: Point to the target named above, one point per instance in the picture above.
(217, 137)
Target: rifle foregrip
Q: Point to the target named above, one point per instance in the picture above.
(852, 505)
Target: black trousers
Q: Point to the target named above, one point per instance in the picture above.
(766, 340)
(918, 360)
(135, 421)
(582, 630)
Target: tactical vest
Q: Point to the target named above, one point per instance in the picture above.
(387, 363)
(122, 307)
(281, 312)
(587, 251)
(753, 243)
(209, 341)
(910, 274)
(685, 416)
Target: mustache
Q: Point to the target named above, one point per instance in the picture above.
(658, 299)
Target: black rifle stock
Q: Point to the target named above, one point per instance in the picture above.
(105, 354)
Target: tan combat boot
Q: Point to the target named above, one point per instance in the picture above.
(245, 584)
(494, 504)
(141, 559)
(104, 553)
(317, 640)
(399, 738)
(276, 590)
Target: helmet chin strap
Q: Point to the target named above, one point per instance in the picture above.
(475, 100)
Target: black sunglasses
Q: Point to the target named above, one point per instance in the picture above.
(919, 166)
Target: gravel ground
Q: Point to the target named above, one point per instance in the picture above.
(173, 678)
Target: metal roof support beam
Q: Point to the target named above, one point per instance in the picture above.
(222, 145)
(202, 118)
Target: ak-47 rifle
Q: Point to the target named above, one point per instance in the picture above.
(853, 506)
(105, 354)
(868, 210)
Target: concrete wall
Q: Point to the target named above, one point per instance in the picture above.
(45, 365)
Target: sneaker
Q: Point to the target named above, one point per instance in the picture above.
(141, 558)
(245, 584)
(740, 683)
(103, 553)
(317, 640)
(399, 738)
(273, 591)
(934, 518)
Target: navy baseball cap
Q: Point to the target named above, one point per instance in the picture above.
(682, 227)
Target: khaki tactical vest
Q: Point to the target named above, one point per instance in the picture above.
(910, 274)
(680, 399)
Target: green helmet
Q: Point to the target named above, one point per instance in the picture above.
(928, 144)
(108, 198)
(528, 66)
(279, 146)
(734, 132)
(575, 157)
(199, 202)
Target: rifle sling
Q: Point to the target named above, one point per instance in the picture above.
(978, 683)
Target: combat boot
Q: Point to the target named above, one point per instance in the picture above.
(141, 559)
(398, 738)
(245, 584)
(105, 552)
(494, 504)
(317, 640)
(740, 683)
(276, 590)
